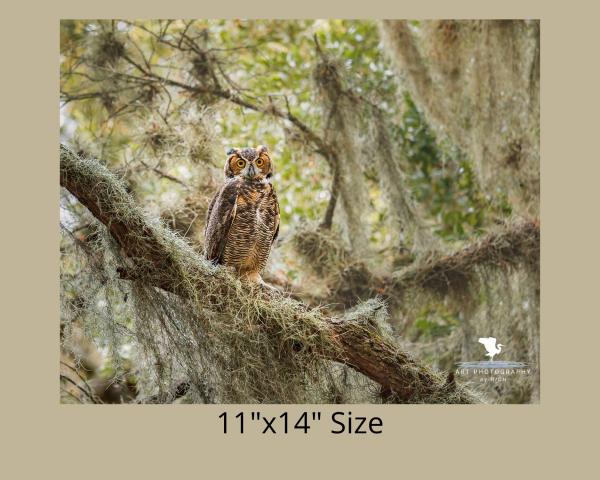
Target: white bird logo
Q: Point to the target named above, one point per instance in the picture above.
(490, 345)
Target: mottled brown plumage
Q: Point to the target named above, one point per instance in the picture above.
(243, 216)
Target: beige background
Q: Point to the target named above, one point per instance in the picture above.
(42, 439)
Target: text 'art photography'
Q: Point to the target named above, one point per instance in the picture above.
(299, 211)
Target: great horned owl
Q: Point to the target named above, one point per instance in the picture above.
(243, 216)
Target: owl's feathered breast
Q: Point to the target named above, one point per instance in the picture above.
(242, 223)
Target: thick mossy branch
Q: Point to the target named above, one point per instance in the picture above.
(227, 311)
(518, 243)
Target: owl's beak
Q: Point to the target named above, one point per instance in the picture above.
(251, 171)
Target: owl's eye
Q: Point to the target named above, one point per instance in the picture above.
(241, 163)
(259, 162)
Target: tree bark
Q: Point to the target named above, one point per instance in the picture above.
(144, 243)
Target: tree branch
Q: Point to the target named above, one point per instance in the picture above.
(328, 219)
(517, 243)
(168, 262)
(320, 145)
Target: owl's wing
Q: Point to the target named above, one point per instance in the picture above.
(221, 213)
(276, 214)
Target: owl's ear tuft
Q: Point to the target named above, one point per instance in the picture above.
(227, 169)
(263, 149)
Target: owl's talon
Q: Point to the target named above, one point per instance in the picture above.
(256, 279)
(268, 287)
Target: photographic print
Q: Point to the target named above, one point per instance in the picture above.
(299, 211)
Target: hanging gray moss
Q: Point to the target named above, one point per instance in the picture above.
(323, 252)
(508, 310)
(478, 82)
(492, 286)
(191, 139)
(105, 49)
(408, 220)
(343, 134)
